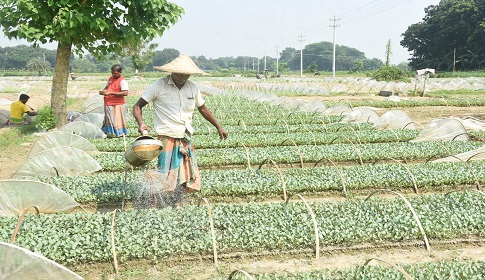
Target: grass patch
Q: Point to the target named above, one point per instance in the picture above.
(457, 93)
(17, 135)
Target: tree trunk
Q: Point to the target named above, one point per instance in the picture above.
(59, 83)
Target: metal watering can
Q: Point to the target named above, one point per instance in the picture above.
(143, 150)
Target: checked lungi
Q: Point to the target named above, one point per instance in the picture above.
(178, 161)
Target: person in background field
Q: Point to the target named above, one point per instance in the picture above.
(174, 100)
(18, 109)
(114, 103)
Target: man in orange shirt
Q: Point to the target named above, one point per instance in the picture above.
(114, 103)
(18, 109)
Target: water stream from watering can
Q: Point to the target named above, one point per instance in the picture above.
(150, 193)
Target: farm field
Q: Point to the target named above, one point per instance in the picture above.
(298, 191)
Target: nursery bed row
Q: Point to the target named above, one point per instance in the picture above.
(253, 227)
(348, 153)
(279, 139)
(448, 269)
(266, 183)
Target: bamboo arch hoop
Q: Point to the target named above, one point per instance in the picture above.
(342, 179)
(49, 174)
(410, 174)
(357, 150)
(415, 216)
(283, 183)
(286, 123)
(19, 222)
(213, 234)
(297, 148)
(243, 124)
(315, 225)
(314, 138)
(262, 134)
(113, 245)
(466, 164)
(356, 135)
(407, 124)
(247, 154)
(400, 269)
(395, 134)
(235, 272)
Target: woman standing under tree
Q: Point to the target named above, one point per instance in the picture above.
(114, 103)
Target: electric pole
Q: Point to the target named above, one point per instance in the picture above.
(334, 31)
(301, 54)
(277, 59)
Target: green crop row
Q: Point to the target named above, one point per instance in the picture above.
(373, 152)
(81, 237)
(415, 103)
(279, 139)
(450, 270)
(266, 183)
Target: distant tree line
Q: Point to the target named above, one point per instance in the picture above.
(316, 57)
(450, 36)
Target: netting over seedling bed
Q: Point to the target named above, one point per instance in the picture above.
(361, 115)
(94, 104)
(84, 129)
(65, 160)
(477, 154)
(394, 119)
(19, 195)
(94, 118)
(443, 129)
(62, 138)
(17, 263)
(338, 110)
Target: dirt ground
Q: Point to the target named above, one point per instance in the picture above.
(336, 258)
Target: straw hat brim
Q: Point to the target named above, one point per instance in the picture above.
(182, 65)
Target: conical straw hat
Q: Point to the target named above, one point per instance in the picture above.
(183, 65)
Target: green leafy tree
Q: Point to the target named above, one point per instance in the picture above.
(38, 64)
(17, 57)
(165, 56)
(98, 27)
(358, 66)
(140, 53)
(451, 25)
(312, 68)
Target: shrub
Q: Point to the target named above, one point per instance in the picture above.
(389, 73)
(45, 119)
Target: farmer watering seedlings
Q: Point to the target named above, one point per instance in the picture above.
(20, 113)
(174, 99)
(114, 103)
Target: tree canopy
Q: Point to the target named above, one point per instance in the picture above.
(98, 27)
(449, 28)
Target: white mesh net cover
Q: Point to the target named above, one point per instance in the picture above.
(17, 263)
(64, 160)
(95, 118)
(444, 130)
(84, 129)
(18, 195)
(62, 138)
(394, 119)
(361, 115)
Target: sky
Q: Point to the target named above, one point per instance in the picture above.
(222, 28)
